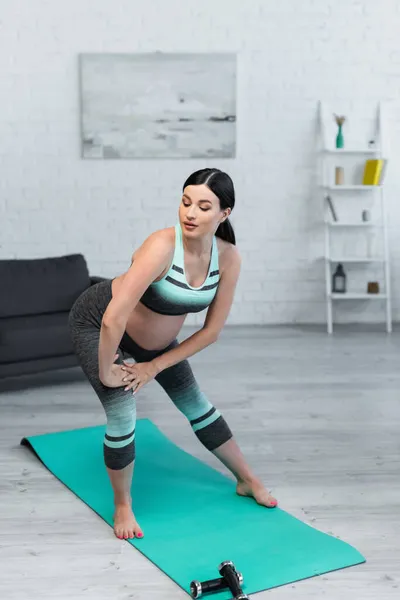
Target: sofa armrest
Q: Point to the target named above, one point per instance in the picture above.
(96, 279)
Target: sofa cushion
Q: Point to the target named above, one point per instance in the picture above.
(41, 285)
(33, 337)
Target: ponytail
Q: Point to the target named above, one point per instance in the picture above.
(225, 232)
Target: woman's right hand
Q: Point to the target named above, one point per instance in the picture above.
(114, 378)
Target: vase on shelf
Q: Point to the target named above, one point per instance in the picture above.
(339, 176)
(339, 137)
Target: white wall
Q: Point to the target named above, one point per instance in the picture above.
(290, 55)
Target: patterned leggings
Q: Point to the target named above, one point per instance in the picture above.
(120, 406)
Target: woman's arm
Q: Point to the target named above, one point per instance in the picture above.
(217, 314)
(110, 337)
(150, 260)
(193, 344)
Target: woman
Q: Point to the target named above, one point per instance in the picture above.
(177, 270)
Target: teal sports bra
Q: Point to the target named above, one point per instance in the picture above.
(172, 295)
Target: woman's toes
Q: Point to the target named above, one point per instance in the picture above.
(263, 497)
(128, 534)
(258, 492)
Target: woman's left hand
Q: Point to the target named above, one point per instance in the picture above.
(138, 374)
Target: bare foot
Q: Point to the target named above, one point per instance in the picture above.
(256, 490)
(125, 524)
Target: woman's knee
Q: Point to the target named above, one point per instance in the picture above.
(211, 429)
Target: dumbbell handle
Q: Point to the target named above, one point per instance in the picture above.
(198, 588)
(228, 572)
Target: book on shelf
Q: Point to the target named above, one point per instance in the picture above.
(383, 171)
(374, 171)
(331, 207)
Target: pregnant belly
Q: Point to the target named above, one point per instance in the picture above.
(148, 329)
(151, 330)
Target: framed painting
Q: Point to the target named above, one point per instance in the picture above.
(158, 105)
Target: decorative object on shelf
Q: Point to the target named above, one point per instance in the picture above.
(372, 171)
(373, 287)
(339, 280)
(383, 171)
(366, 215)
(331, 207)
(339, 137)
(339, 176)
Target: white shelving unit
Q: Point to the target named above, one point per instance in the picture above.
(327, 156)
(352, 188)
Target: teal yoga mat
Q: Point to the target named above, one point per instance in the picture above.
(190, 514)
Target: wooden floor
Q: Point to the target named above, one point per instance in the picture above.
(317, 416)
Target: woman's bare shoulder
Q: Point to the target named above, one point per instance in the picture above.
(228, 254)
(166, 236)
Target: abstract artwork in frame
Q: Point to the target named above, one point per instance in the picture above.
(158, 105)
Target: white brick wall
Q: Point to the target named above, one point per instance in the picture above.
(290, 54)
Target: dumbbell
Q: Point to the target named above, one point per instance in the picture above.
(229, 573)
(198, 588)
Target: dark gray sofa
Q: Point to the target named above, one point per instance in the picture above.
(36, 296)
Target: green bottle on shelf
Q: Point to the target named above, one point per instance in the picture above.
(339, 138)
